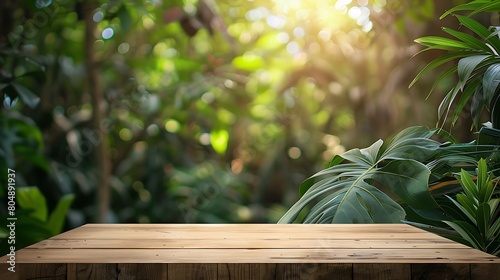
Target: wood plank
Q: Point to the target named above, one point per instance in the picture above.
(256, 256)
(484, 271)
(6, 274)
(312, 271)
(381, 271)
(256, 251)
(118, 233)
(439, 271)
(246, 271)
(92, 271)
(207, 229)
(245, 243)
(181, 271)
(56, 271)
(134, 271)
(261, 227)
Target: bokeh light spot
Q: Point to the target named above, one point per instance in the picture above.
(123, 48)
(276, 22)
(147, 22)
(98, 16)
(294, 152)
(208, 97)
(125, 134)
(293, 47)
(354, 12)
(108, 33)
(152, 129)
(205, 139)
(172, 126)
(283, 37)
(298, 32)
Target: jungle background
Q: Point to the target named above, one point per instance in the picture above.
(199, 111)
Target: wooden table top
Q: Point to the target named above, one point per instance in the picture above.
(249, 243)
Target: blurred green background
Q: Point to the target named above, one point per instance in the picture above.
(198, 111)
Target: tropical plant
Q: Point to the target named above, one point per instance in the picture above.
(478, 67)
(355, 188)
(481, 229)
(412, 179)
(34, 221)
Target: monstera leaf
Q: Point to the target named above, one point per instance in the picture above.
(349, 191)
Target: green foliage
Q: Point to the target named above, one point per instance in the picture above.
(481, 229)
(350, 192)
(478, 65)
(21, 140)
(207, 194)
(411, 179)
(33, 222)
(32, 202)
(258, 93)
(19, 71)
(387, 184)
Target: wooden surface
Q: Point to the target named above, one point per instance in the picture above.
(250, 251)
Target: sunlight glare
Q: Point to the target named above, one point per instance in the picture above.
(342, 4)
(299, 32)
(283, 37)
(325, 13)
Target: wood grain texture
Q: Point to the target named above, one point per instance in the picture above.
(242, 232)
(256, 256)
(440, 272)
(481, 271)
(254, 243)
(250, 251)
(134, 271)
(39, 271)
(6, 274)
(92, 271)
(312, 271)
(192, 271)
(383, 271)
(246, 271)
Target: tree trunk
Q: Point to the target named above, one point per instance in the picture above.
(95, 89)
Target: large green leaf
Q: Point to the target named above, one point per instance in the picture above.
(347, 191)
(466, 66)
(467, 205)
(469, 70)
(358, 203)
(474, 43)
(491, 80)
(476, 7)
(468, 232)
(56, 219)
(442, 43)
(470, 188)
(447, 102)
(480, 30)
(494, 230)
(477, 106)
(408, 179)
(467, 94)
(30, 198)
(483, 218)
(438, 62)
